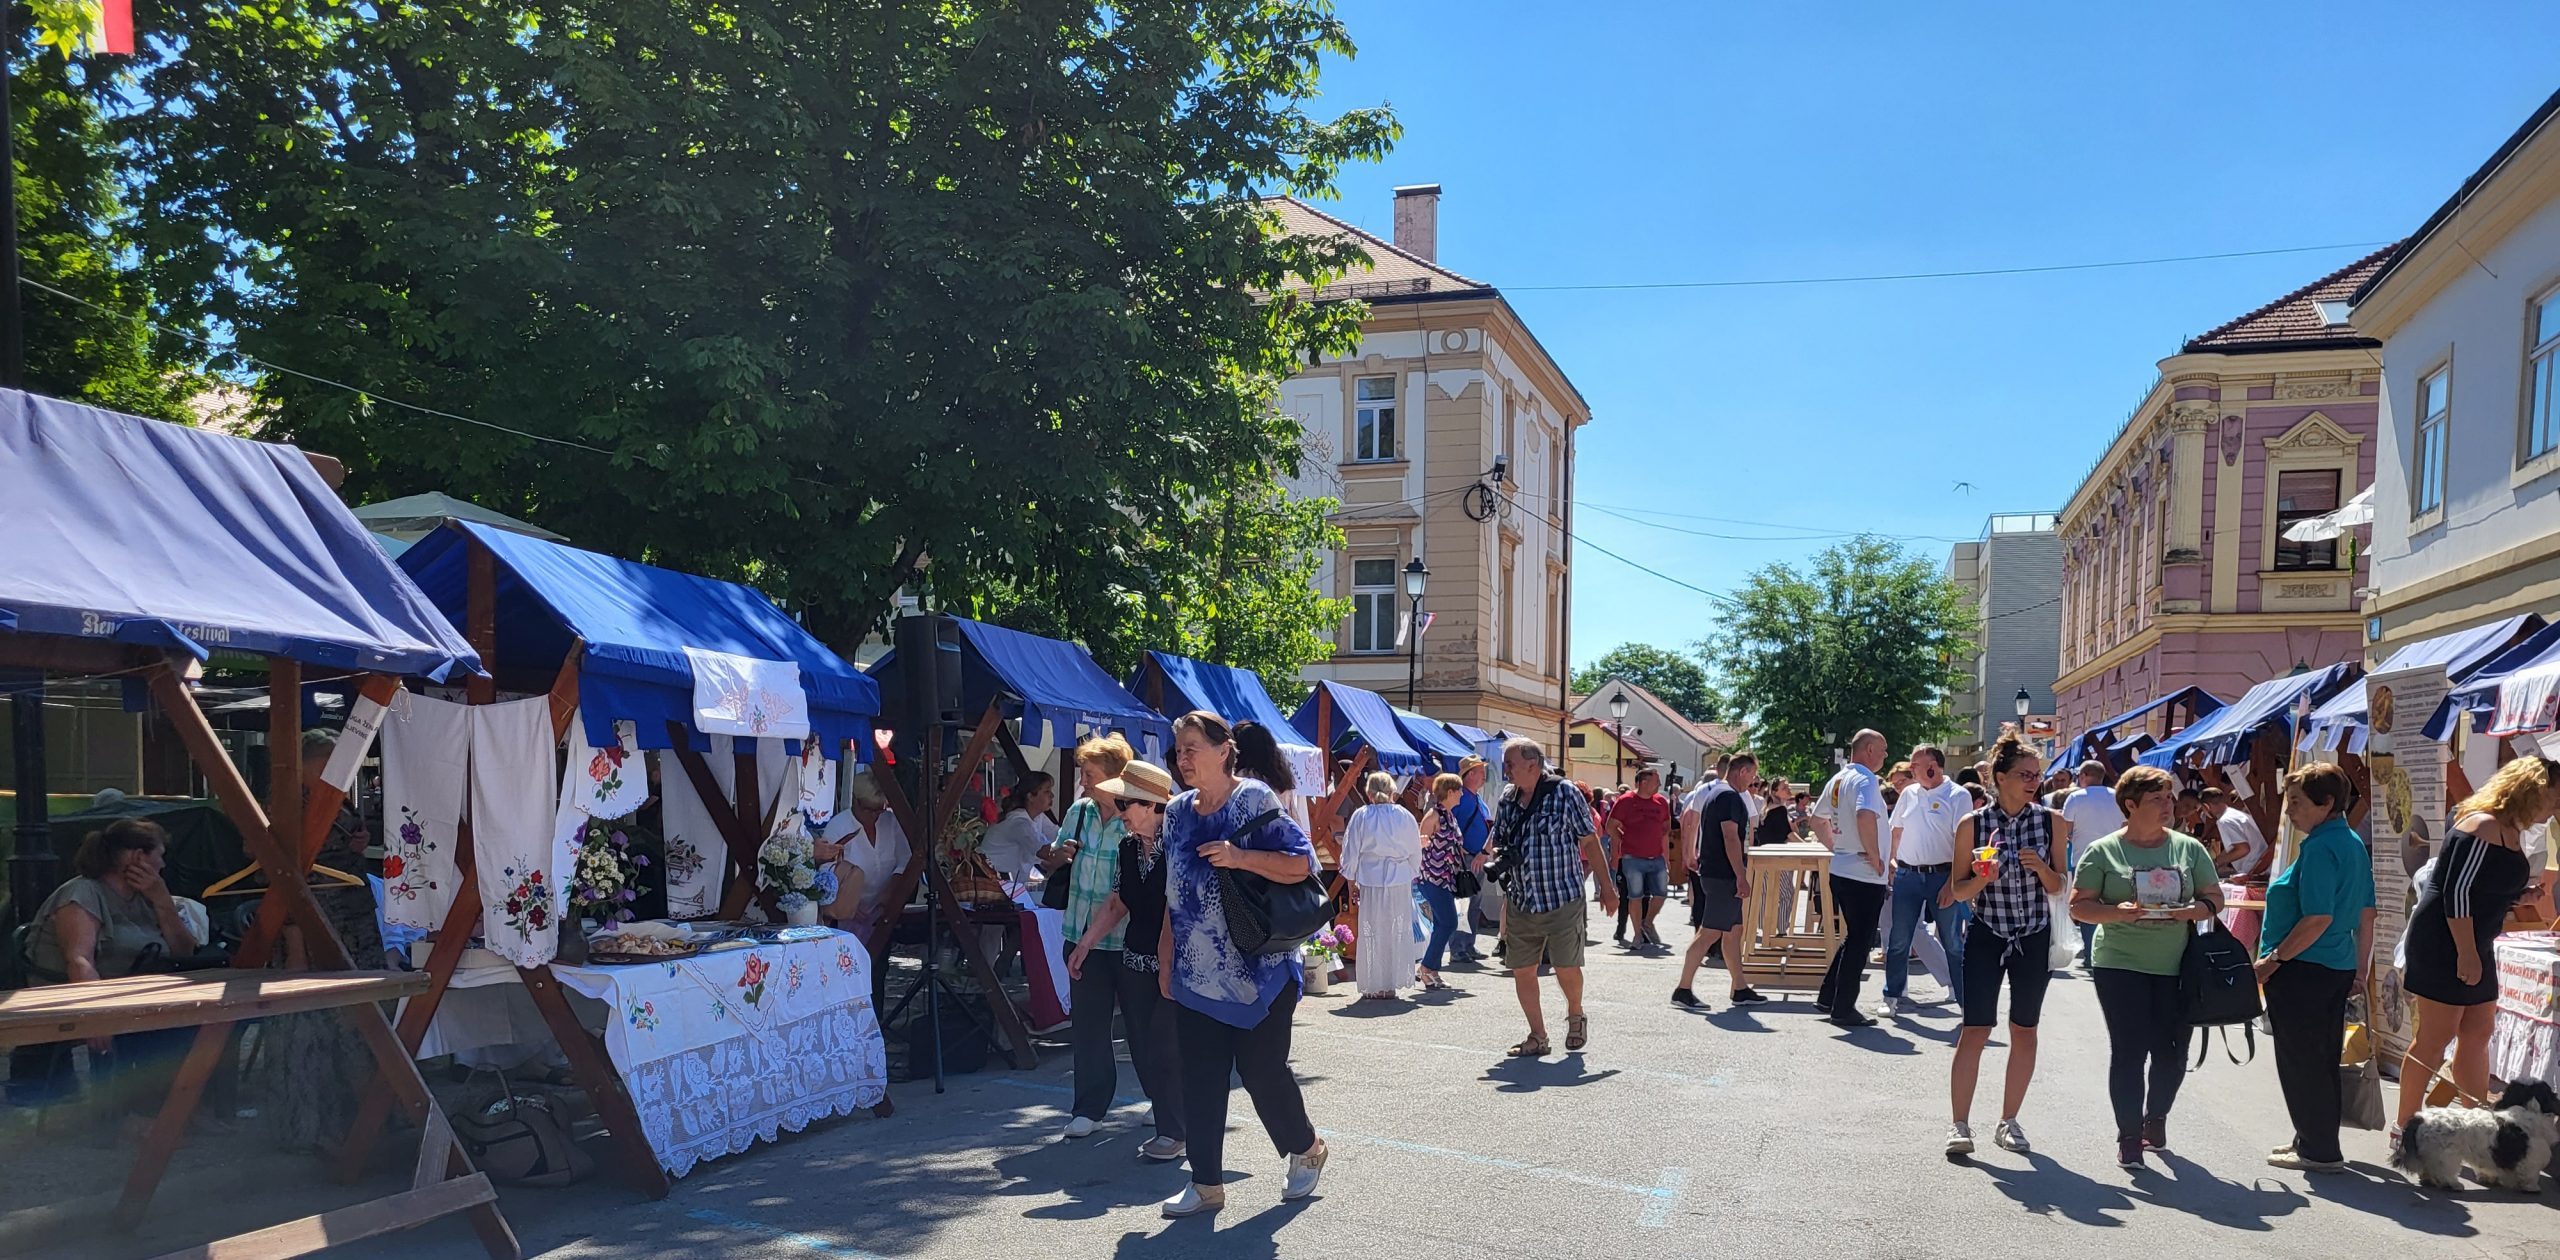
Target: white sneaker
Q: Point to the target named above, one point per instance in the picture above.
(1889, 1008)
(1195, 1200)
(2010, 1137)
(1081, 1127)
(1303, 1171)
(1959, 1139)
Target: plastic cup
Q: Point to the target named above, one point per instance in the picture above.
(1986, 859)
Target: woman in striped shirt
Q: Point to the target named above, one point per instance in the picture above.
(2479, 874)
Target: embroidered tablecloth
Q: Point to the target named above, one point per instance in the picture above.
(2524, 1044)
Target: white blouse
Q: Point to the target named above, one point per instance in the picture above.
(1009, 845)
(879, 854)
(1382, 844)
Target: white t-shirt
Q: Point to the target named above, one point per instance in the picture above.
(2240, 832)
(1855, 790)
(1010, 844)
(2093, 815)
(1927, 818)
(879, 854)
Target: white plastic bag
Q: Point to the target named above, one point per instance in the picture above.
(2064, 946)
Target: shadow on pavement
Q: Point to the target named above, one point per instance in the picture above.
(1528, 1076)
(1232, 1234)
(2376, 1191)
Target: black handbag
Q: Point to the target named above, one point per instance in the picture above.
(1062, 882)
(1267, 916)
(2217, 988)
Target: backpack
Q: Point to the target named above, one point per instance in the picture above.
(2217, 988)
(520, 1141)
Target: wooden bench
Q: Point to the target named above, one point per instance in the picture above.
(211, 1002)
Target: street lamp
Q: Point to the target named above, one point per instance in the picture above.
(1618, 715)
(2025, 702)
(1415, 577)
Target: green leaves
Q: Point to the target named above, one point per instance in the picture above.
(1677, 678)
(1864, 638)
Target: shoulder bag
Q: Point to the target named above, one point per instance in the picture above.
(2217, 988)
(1267, 916)
(1062, 881)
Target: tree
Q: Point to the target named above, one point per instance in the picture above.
(1676, 677)
(1867, 637)
(834, 297)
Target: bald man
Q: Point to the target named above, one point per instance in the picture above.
(1849, 815)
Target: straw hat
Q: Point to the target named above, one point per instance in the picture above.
(1140, 781)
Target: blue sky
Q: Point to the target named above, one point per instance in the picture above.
(1627, 143)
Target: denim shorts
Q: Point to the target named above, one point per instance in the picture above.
(1646, 877)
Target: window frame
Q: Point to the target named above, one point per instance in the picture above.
(2425, 472)
(1367, 599)
(2541, 407)
(2309, 557)
(1365, 418)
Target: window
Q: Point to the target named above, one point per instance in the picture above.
(1373, 434)
(2542, 378)
(1373, 605)
(2332, 314)
(2426, 465)
(1574, 740)
(2299, 497)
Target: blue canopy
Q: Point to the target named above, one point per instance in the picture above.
(1053, 686)
(1432, 737)
(2223, 738)
(157, 535)
(637, 620)
(1362, 717)
(2478, 694)
(2341, 722)
(2102, 737)
(1234, 694)
(1475, 737)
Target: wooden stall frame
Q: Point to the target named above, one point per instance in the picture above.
(446, 1183)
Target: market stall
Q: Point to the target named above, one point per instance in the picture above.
(624, 659)
(1434, 737)
(137, 547)
(1179, 684)
(2247, 741)
(2112, 742)
(2524, 1044)
(1347, 722)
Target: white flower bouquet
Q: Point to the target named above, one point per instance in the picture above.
(787, 865)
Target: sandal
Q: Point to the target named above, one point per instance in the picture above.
(1577, 1031)
(1531, 1048)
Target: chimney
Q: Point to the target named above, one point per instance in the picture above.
(1418, 221)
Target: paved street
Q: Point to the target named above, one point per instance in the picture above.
(1766, 1134)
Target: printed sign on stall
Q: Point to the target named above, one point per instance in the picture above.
(2407, 772)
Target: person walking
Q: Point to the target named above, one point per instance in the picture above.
(1381, 855)
(2008, 936)
(2143, 887)
(2319, 919)
(1444, 857)
(1924, 855)
(1139, 794)
(1232, 1009)
(1723, 880)
(1475, 825)
(2089, 814)
(2478, 876)
(1849, 816)
(1640, 823)
(1088, 848)
(1544, 847)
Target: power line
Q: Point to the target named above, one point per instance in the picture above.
(1936, 275)
(1624, 515)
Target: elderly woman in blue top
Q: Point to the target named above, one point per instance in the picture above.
(2315, 943)
(1231, 1009)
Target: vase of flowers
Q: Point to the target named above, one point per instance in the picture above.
(1322, 954)
(605, 879)
(787, 866)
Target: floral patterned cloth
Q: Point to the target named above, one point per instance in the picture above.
(729, 1048)
(610, 782)
(1442, 857)
(1210, 975)
(740, 695)
(426, 775)
(525, 862)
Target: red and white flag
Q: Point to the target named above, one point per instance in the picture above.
(111, 28)
(1419, 624)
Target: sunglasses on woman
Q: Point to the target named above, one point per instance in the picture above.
(1128, 803)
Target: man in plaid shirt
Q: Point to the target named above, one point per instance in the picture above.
(1545, 845)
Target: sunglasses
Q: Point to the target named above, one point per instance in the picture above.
(1129, 803)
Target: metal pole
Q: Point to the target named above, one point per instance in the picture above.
(1412, 652)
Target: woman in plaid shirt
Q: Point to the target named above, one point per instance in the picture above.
(2011, 929)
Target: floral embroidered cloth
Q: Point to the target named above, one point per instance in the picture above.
(524, 862)
(697, 858)
(740, 695)
(608, 782)
(426, 775)
(729, 1048)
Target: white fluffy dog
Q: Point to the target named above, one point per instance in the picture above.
(2504, 1145)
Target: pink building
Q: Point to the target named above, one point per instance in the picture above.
(2174, 573)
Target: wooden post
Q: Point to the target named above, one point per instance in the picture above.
(319, 811)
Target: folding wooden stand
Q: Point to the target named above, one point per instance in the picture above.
(922, 866)
(445, 1183)
(1794, 928)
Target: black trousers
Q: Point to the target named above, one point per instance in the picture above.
(1212, 1052)
(1152, 1041)
(2307, 1008)
(2146, 1044)
(1861, 906)
(1091, 998)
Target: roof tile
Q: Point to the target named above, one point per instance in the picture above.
(1392, 272)
(2294, 321)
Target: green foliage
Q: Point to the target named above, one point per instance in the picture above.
(1676, 677)
(70, 229)
(1867, 637)
(841, 297)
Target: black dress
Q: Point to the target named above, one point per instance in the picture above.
(2475, 879)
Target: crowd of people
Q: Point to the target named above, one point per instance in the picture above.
(1994, 878)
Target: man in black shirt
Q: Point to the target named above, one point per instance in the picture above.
(1724, 879)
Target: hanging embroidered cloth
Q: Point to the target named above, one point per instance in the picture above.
(524, 868)
(426, 775)
(740, 695)
(610, 782)
(697, 855)
(817, 787)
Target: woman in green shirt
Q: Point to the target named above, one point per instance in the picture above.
(2320, 924)
(2143, 887)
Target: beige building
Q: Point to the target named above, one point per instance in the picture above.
(1447, 435)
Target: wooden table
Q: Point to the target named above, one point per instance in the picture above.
(1794, 928)
(213, 1001)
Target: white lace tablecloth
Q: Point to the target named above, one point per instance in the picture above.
(2524, 1044)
